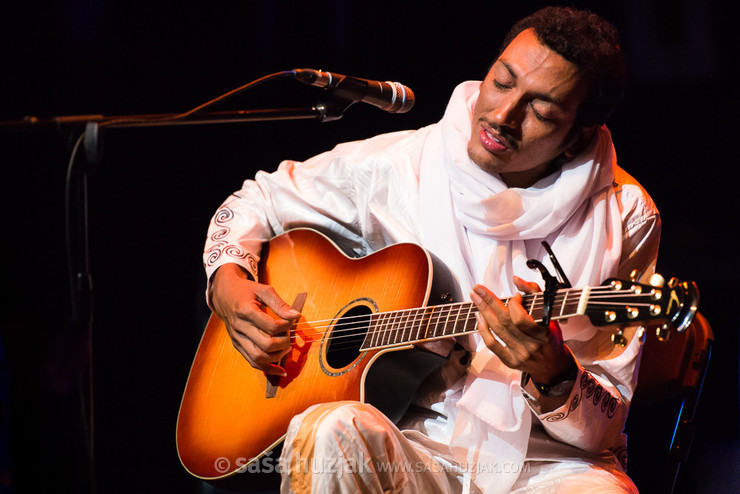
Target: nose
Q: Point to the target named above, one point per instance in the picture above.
(506, 112)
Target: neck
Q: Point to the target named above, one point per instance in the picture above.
(527, 178)
(404, 327)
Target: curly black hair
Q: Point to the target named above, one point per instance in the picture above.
(592, 44)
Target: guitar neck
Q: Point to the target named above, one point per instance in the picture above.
(405, 327)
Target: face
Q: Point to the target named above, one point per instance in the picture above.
(526, 109)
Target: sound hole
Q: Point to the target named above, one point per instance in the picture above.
(347, 336)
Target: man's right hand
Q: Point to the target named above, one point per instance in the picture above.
(262, 338)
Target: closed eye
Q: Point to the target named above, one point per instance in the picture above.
(537, 114)
(498, 85)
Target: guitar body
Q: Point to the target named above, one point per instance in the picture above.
(231, 415)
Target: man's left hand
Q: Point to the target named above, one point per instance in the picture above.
(519, 341)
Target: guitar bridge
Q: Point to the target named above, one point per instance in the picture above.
(272, 380)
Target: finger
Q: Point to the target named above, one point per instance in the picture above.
(519, 314)
(280, 307)
(496, 345)
(262, 339)
(509, 323)
(489, 304)
(257, 358)
(526, 286)
(495, 314)
(253, 313)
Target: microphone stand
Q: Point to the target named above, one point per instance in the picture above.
(78, 253)
(323, 111)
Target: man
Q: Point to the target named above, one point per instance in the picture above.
(517, 159)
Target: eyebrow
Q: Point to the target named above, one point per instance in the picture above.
(542, 96)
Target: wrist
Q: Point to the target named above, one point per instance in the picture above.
(560, 385)
(231, 270)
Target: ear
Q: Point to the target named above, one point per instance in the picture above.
(582, 138)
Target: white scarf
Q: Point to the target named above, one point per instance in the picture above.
(485, 232)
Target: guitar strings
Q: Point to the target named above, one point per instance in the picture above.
(442, 311)
(433, 315)
(538, 303)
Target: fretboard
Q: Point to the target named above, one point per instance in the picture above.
(404, 327)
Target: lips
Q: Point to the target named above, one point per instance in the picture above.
(493, 141)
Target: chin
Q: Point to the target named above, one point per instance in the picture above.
(483, 160)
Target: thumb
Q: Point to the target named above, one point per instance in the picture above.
(272, 300)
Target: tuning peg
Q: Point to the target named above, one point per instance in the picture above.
(657, 280)
(633, 275)
(673, 283)
(664, 333)
(619, 339)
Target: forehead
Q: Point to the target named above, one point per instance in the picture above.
(538, 68)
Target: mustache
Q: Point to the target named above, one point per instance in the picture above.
(509, 139)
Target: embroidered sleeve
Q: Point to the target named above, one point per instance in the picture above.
(593, 416)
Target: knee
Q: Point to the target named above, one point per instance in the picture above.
(344, 422)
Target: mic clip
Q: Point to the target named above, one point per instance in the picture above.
(333, 109)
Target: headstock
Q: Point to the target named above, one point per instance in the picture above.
(624, 301)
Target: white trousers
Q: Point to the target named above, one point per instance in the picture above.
(350, 447)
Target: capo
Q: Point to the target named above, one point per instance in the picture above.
(552, 284)
(564, 283)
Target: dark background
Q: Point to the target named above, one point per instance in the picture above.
(154, 190)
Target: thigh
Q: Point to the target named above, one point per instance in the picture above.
(560, 477)
(352, 447)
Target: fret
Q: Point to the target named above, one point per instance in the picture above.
(458, 321)
(425, 315)
(403, 322)
(397, 324)
(426, 322)
(462, 321)
(372, 329)
(429, 313)
(416, 320)
(583, 301)
(441, 326)
(443, 319)
(387, 323)
(378, 334)
(438, 315)
(391, 320)
(400, 335)
(447, 317)
(471, 318)
(574, 304)
(414, 335)
(565, 300)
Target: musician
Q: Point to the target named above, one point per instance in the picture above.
(521, 157)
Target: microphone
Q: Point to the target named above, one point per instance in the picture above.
(389, 96)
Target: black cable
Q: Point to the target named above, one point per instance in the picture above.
(80, 322)
(204, 106)
(68, 225)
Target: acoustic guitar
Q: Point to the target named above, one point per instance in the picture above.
(355, 341)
